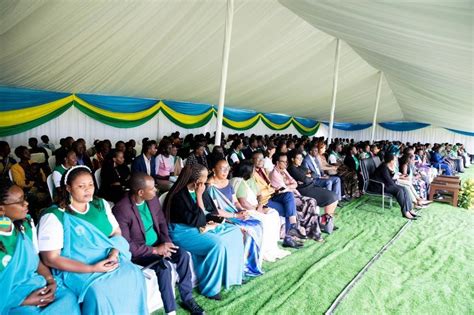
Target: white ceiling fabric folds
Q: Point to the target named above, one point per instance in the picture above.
(281, 57)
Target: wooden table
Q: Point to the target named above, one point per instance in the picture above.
(448, 186)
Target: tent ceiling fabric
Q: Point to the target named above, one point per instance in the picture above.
(279, 61)
(424, 48)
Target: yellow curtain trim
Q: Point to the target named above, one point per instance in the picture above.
(307, 129)
(277, 126)
(21, 116)
(120, 116)
(242, 124)
(184, 118)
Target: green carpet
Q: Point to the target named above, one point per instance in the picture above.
(428, 270)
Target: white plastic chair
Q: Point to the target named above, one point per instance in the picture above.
(97, 177)
(50, 183)
(38, 157)
(52, 162)
(162, 199)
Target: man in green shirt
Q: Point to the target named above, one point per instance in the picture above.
(144, 226)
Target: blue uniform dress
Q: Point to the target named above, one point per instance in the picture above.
(19, 278)
(218, 255)
(86, 239)
(253, 230)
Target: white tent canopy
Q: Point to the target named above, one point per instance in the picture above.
(281, 57)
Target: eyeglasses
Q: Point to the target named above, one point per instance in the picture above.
(224, 169)
(20, 202)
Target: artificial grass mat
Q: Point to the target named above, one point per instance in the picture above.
(426, 271)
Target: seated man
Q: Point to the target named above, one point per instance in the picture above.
(144, 226)
(331, 183)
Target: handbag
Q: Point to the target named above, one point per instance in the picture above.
(326, 223)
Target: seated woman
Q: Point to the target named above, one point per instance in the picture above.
(306, 187)
(408, 172)
(353, 164)
(217, 249)
(235, 155)
(114, 176)
(31, 178)
(81, 240)
(437, 161)
(198, 156)
(248, 196)
(348, 177)
(307, 209)
(102, 149)
(228, 207)
(384, 173)
(177, 160)
(423, 167)
(268, 160)
(69, 161)
(27, 285)
(216, 155)
(164, 162)
(282, 201)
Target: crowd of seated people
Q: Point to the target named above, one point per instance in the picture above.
(228, 205)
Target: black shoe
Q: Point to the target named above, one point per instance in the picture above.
(193, 307)
(288, 242)
(216, 297)
(296, 233)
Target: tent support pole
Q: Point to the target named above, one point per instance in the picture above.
(377, 100)
(334, 89)
(225, 65)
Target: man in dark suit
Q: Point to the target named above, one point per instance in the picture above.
(144, 226)
(252, 147)
(145, 162)
(332, 183)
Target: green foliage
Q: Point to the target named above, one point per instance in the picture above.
(466, 195)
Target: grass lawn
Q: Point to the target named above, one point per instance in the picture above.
(428, 270)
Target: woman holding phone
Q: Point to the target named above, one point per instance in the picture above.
(80, 238)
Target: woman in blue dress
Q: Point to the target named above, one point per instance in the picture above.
(27, 285)
(81, 240)
(217, 248)
(229, 208)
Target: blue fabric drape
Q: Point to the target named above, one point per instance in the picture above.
(119, 104)
(17, 98)
(277, 118)
(402, 125)
(309, 123)
(349, 126)
(188, 108)
(238, 114)
(465, 133)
